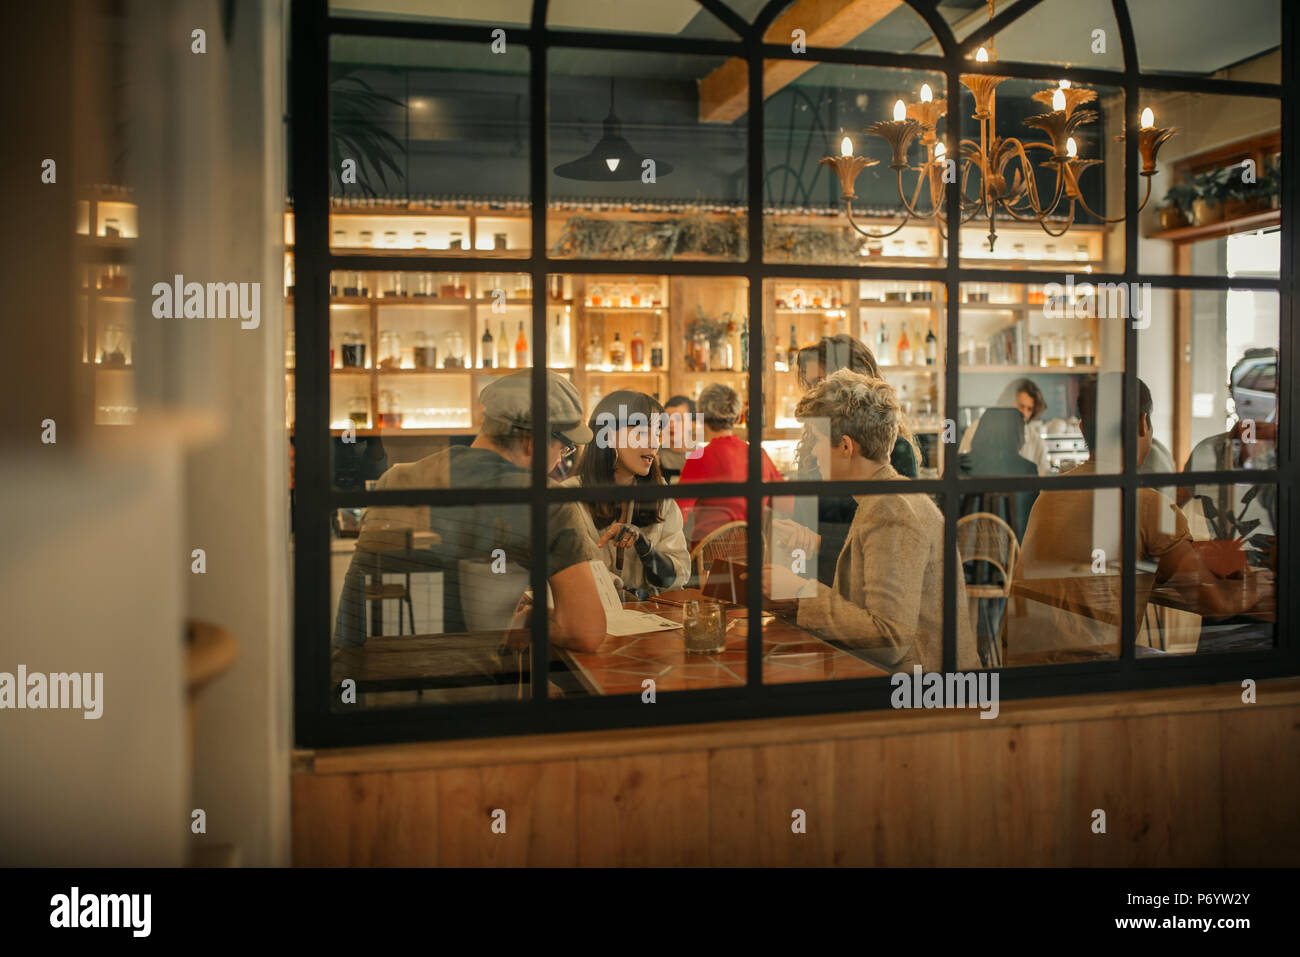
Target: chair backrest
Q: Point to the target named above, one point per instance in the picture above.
(984, 537)
(728, 541)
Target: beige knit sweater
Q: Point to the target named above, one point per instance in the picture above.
(887, 597)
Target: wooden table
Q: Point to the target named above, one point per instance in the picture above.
(452, 665)
(790, 654)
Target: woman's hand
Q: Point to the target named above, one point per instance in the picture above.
(622, 536)
(781, 583)
(791, 535)
(518, 636)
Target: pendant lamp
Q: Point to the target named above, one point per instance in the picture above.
(612, 159)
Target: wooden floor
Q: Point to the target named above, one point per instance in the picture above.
(1185, 777)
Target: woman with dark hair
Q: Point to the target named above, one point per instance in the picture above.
(641, 543)
(1025, 396)
(817, 362)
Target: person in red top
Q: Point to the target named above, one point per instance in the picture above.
(724, 458)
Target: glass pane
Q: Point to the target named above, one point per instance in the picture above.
(684, 18)
(1031, 358)
(1048, 213)
(631, 135)
(881, 329)
(1218, 178)
(1211, 360)
(1237, 41)
(647, 578)
(438, 132)
(1065, 596)
(1221, 593)
(410, 356)
(862, 577)
(893, 27)
(422, 605)
(504, 13)
(1078, 33)
(818, 114)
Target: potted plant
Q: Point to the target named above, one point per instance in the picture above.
(1226, 555)
(1242, 198)
(1209, 187)
(1176, 207)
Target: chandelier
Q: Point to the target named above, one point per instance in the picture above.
(1007, 186)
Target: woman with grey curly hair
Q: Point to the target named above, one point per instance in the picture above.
(725, 458)
(886, 599)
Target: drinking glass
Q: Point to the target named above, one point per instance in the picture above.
(704, 627)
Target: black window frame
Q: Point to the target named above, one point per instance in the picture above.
(318, 725)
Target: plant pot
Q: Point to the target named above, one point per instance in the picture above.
(1207, 211)
(1171, 217)
(1224, 558)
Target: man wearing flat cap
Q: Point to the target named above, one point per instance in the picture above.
(485, 551)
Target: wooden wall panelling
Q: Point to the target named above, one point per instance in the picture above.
(1260, 758)
(373, 818)
(539, 801)
(644, 811)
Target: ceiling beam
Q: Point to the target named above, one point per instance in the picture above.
(724, 93)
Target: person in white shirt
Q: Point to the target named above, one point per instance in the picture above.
(1024, 395)
(641, 543)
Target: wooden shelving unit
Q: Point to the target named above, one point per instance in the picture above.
(106, 299)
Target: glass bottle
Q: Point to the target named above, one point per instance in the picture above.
(521, 348)
(595, 354)
(426, 353)
(657, 346)
(390, 350)
(931, 347)
(486, 354)
(359, 411)
(596, 296)
(779, 350)
(617, 352)
(455, 350)
(792, 350)
(636, 350)
(1035, 350)
(503, 347)
(558, 346)
(390, 410)
(882, 344)
(904, 348)
(744, 346)
(354, 350)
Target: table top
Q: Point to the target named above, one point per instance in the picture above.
(618, 666)
(790, 654)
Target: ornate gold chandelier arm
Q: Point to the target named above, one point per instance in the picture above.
(1031, 182)
(848, 209)
(1117, 219)
(922, 179)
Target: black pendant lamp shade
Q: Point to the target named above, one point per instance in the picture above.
(612, 159)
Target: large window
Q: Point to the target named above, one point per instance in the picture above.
(572, 284)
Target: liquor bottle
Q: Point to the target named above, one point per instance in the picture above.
(882, 344)
(595, 355)
(792, 350)
(503, 348)
(744, 347)
(657, 346)
(521, 348)
(637, 348)
(904, 348)
(559, 344)
(617, 352)
(737, 363)
(780, 355)
(931, 347)
(486, 352)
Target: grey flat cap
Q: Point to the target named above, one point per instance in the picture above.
(509, 399)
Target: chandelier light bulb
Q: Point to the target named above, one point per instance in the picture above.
(981, 55)
(940, 151)
(900, 111)
(927, 95)
(1148, 118)
(846, 147)
(1058, 100)
(1071, 148)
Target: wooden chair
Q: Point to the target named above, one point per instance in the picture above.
(729, 541)
(984, 537)
(378, 591)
